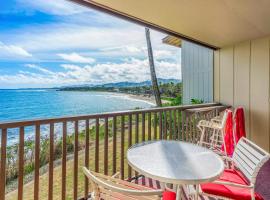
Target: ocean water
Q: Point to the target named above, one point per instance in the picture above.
(47, 103)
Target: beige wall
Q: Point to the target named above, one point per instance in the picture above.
(241, 78)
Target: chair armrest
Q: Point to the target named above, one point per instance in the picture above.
(233, 184)
(208, 124)
(168, 187)
(116, 175)
(134, 178)
(117, 188)
(227, 160)
(217, 119)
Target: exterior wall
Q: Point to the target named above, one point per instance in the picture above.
(241, 78)
(197, 72)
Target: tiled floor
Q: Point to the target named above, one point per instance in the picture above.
(263, 181)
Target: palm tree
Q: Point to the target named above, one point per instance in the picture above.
(152, 68)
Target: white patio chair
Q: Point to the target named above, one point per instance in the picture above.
(106, 187)
(213, 133)
(239, 181)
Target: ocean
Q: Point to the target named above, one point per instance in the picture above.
(48, 103)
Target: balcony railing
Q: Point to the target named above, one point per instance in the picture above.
(61, 146)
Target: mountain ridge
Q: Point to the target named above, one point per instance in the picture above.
(126, 84)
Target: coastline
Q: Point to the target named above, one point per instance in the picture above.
(146, 98)
(150, 99)
(140, 97)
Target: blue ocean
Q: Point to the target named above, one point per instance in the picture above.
(47, 103)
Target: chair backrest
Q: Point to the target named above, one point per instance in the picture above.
(249, 158)
(224, 118)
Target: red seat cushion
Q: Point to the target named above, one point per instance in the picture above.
(236, 193)
(167, 195)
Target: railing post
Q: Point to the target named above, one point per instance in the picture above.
(106, 135)
(37, 149)
(129, 139)
(75, 167)
(183, 125)
(114, 143)
(143, 126)
(160, 126)
(165, 126)
(64, 160)
(179, 124)
(155, 125)
(86, 159)
(51, 160)
(21, 164)
(174, 125)
(3, 164)
(137, 128)
(97, 146)
(149, 126)
(170, 125)
(122, 147)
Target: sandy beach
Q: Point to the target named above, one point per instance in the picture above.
(150, 99)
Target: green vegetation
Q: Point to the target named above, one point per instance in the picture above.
(171, 92)
(196, 101)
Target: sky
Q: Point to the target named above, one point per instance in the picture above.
(57, 43)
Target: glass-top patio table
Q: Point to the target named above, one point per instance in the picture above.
(175, 162)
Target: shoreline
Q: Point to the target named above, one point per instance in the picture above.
(140, 97)
(150, 99)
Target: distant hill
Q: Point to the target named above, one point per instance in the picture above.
(139, 84)
(123, 84)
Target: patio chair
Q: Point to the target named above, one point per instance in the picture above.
(109, 187)
(216, 133)
(239, 181)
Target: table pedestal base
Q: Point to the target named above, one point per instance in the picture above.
(179, 192)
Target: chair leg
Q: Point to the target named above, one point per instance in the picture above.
(197, 192)
(223, 138)
(179, 192)
(252, 194)
(202, 136)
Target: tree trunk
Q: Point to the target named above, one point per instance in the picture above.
(152, 69)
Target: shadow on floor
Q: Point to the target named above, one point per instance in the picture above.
(263, 181)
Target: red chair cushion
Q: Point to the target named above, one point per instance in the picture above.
(232, 192)
(167, 195)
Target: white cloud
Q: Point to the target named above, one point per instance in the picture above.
(135, 70)
(13, 51)
(42, 69)
(133, 49)
(55, 7)
(63, 36)
(162, 54)
(108, 41)
(76, 58)
(70, 67)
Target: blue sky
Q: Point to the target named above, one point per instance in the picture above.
(54, 43)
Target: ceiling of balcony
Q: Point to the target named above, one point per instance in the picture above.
(216, 23)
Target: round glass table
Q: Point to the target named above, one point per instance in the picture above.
(175, 162)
